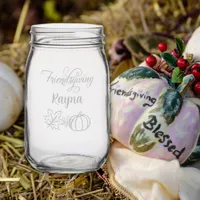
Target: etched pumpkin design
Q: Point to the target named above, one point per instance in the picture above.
(79, 122)
(152, 118)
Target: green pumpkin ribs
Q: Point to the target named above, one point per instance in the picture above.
(168, 105)
(139, 141)
(139, 72)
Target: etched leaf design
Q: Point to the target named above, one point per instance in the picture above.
(53, 120)
(58, 114)
(50, 112)
(65, 121)
(47, 119)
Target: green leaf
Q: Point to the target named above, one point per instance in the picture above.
(180, 45)
(135, 47)
(170, 59)
(177, 75)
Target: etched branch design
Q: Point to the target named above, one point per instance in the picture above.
(79, 122)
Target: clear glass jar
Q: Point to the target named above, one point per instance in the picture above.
(67, 101)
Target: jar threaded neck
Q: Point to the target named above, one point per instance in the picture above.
(67, 34)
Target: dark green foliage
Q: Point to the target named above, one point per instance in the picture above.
(139, 72)
(180, 45)
(169, 58)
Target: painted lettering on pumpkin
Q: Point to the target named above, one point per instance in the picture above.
(153, 126)
(132, 95)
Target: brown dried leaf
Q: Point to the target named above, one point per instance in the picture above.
(142, 45)
(122, 67)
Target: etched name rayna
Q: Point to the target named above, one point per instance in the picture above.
(66, 100)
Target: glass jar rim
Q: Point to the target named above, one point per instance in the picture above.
(67, 34)
(64, 27)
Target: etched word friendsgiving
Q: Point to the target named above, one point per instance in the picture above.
(72, 79)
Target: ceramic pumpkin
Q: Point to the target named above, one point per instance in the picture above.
(151, 118)
(79, 122)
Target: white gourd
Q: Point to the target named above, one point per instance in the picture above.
(11, 97)
(193, 45)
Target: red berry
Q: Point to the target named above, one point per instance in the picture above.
(196, 65)
(162, 46)
(175, 53)
(151, 60)
(196, 71)
(182, 63)
(197, 88)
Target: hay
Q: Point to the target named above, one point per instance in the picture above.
(132, 17)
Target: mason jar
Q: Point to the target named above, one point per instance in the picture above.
(67, 98)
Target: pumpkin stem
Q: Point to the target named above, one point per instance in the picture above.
(186, 83)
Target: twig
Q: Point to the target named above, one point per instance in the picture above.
(88, 193)
(184, 18)
(167, 35)
(24, 167)
(21, 198)
(33, 186)
(7, 150)
(143, 20)
(91, 181)
(13, 149)
(9, 179)
(180, 3)
(15, 141)
(130, 19)
(99, 198)
(21, 21)
(41, 181)
(113, 20)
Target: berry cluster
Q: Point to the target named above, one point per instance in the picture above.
(176, 60)
(195, 70)
(151, 60)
